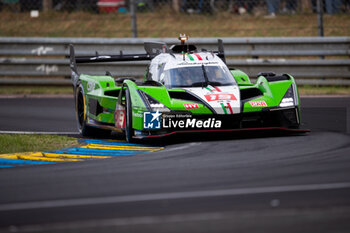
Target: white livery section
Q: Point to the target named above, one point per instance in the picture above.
(223, 99)
(202, 74)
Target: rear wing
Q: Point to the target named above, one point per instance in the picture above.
(113, 58)
(102, 58)
(105, 58)
(152, 49)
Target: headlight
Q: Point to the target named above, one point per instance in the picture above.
(152, 103)
(288, 98)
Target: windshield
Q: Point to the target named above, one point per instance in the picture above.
(197, 76)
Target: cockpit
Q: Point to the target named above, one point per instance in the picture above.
(197, 76)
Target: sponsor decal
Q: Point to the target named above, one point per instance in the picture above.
(221, 96)
(151, 120)
(197, 63)
(260, 103)
(191, 106)
(136, 114)
(120, 118)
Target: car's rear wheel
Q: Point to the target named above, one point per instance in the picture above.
(81, 115)
(129, 132)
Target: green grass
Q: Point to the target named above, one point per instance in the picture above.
(11, 143)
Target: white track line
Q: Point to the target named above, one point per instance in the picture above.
(165, 196)
(30, 132)
(192, 144)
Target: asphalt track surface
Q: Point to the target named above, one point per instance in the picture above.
(264, 182)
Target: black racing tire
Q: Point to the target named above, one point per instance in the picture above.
(81, 116)
(129, 132)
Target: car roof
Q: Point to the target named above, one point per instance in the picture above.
(185, 60)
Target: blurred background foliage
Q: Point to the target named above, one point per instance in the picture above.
(168, 18)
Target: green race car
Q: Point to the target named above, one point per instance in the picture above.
(184, 90)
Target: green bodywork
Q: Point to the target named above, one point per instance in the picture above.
(105, 91)
(273, 92)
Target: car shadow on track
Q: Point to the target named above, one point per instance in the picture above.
(222, 136)
(200, 137)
